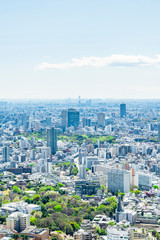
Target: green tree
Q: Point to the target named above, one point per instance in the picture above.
(157, 235)
(15, 236)
(16, 189)
(36, 197)
(155, 187)
(33, 221)
(74, 171)
(58, 208)
(68, 229)
(61, 185)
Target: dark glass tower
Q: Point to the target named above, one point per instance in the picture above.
(73, 118)
(122, 110)
(52, 139)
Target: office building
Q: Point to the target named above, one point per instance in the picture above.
(143, 180)
(119, 180)
(122, 110)
(70, 117)
(64, 118)
(52, 139)
(49, 167)
(101, 119)
(82, 171)
(5, 154)
(159, 131)
(73, 118)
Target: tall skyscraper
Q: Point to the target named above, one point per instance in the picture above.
(52, 139)
(101, 119)
(73, 118)
(159, 131)
(70, 118)
(64, 116)
(5, 154)
(122, 110)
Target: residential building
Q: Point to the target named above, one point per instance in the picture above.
(119, 180)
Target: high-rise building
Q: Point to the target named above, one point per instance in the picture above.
(82, 171)
(118, 180)
(143, 180)
(5, 154)
(64, 116)
(70, 118)
(52, 139)
(159, 131)
(122, 110)
(101, 119)
(49, 166)
(73, 118)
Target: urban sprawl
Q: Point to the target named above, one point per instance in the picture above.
(80, 169)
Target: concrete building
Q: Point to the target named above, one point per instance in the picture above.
(18, 221)
(69, 117)
(114, 233)
(159, 131)
(82, 235)
(119, 180)
(5, 154)
(101, 119)
(143, 180)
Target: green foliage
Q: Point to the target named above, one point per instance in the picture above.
(68, 229)
(155, 187)
(101, 231)
(58, 208)
(137, 192)
(15, 236)
(33, 221)
(63, 212)
(111, 223)
(74, 171)
(87, 169)
(2, 219)
(61, 185)
(121, 194)
(36, 198)
(79, 139)
(157, 235)
(16, 189)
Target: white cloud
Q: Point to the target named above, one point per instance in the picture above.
(113, 60)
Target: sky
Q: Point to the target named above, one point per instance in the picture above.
(51, 49)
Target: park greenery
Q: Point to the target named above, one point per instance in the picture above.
(78, 138)
(59, 211)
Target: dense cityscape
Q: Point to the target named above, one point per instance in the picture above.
(80, 169)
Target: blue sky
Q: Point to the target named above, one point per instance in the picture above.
(88, 48)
